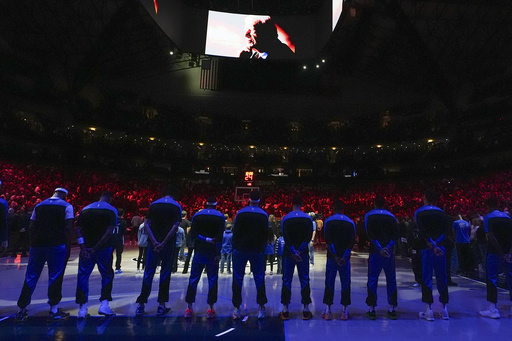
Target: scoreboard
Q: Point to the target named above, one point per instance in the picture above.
(249, 178)
(242, 193)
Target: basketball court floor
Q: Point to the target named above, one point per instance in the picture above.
(465, 301)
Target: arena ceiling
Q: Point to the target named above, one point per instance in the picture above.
(434, 48)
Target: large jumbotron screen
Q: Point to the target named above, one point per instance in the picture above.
(250, 36)
(243, 35)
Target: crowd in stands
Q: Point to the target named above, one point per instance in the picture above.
(26, 185)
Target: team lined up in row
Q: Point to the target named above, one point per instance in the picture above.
(52, 222)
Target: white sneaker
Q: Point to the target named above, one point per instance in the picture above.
(491, 313)
(416, 285)
(104, 309)
(82, 312)
(427, 315)
(262, 314)
(444, 314)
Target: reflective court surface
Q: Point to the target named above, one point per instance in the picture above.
(143, 328)
(465, 302)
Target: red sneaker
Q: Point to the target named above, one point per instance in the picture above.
(210, 314)
(327, 315)
(188, 313)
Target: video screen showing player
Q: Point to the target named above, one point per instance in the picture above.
(247, 36)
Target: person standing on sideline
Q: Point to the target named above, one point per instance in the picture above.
(269, 252)
(136, 221)
(339, 236)
(498, 227)
(181, 251)
(4, 208)
(279, 252)
(227, 249)
(162, 221)
(250, 233)
(142, 241)
(12, 227)
(462, 230)
(274, 224)
(50, 228)
(297, 229)
(207, 229)
(415, 243)
(382, 229)
(22, 241)
(118, 240)
(311, 246)
(180, 239)
(478, 231)
(449, 245)
(185, 224)
(433, 226)
(94, 230)
(319, 229)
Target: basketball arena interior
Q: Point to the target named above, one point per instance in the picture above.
(329, 101)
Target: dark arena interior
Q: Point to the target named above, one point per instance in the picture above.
(349, 111)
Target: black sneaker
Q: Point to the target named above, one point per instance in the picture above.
(392, 314)
(284, 315)
(162, 310)
(59, 315)
(307, 315)
(372, 315)
(21, 315)
(140, 310)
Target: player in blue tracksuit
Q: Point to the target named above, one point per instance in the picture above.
(434, 227)
(161, 224)
(250, 233)
(297, 229)
(462, 229)
(339, 235)
(50, 227)
(382, 229)
(498, 227)
(207, 229)
(95, 226)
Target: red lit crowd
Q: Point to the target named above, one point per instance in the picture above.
(27, 185)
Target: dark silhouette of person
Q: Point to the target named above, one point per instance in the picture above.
(262, 41)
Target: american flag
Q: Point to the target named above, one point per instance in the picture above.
(209, 71)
